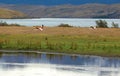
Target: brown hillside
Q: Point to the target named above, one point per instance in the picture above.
(6, 13)
(68, 11)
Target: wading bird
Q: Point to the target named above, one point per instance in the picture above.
(39, 27)
(92, 27)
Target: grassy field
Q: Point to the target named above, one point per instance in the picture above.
(102, 41)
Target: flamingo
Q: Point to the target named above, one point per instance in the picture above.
(39, 27)
(92, 27)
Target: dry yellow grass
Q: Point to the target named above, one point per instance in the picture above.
(113, 32)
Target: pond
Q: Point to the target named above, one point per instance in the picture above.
(46, 64)
(82, 22)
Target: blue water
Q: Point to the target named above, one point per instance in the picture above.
(56, 21)
(41, 64)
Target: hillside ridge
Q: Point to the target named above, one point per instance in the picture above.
(92, 10)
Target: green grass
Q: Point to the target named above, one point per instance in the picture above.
(75, 44)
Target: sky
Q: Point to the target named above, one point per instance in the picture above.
(57, 2)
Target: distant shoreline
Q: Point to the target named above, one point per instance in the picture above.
(59, 18)
(77, 22)
(55, 53)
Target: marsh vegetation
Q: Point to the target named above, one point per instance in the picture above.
(102, 41)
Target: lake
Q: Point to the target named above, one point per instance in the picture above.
(45, 64)
(82, 22)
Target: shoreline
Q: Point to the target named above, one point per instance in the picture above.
(55, 53)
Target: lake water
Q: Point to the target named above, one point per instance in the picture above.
(82, 22)
(42, 64)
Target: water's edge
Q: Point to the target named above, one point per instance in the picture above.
(55, 53)
(23, 51)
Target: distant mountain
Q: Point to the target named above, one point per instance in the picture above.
(6, 13)
(57, 2)
(68, 11)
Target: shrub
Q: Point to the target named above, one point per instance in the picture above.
(6, 24)
(64, 25)
(101, 24)
(115, 25)
(3, 24)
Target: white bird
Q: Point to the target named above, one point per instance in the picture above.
(39, 27)
(92, 27)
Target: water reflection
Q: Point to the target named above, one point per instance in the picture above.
(38, 64)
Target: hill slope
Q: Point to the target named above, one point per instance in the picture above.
(69, 11)
(6, 13)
